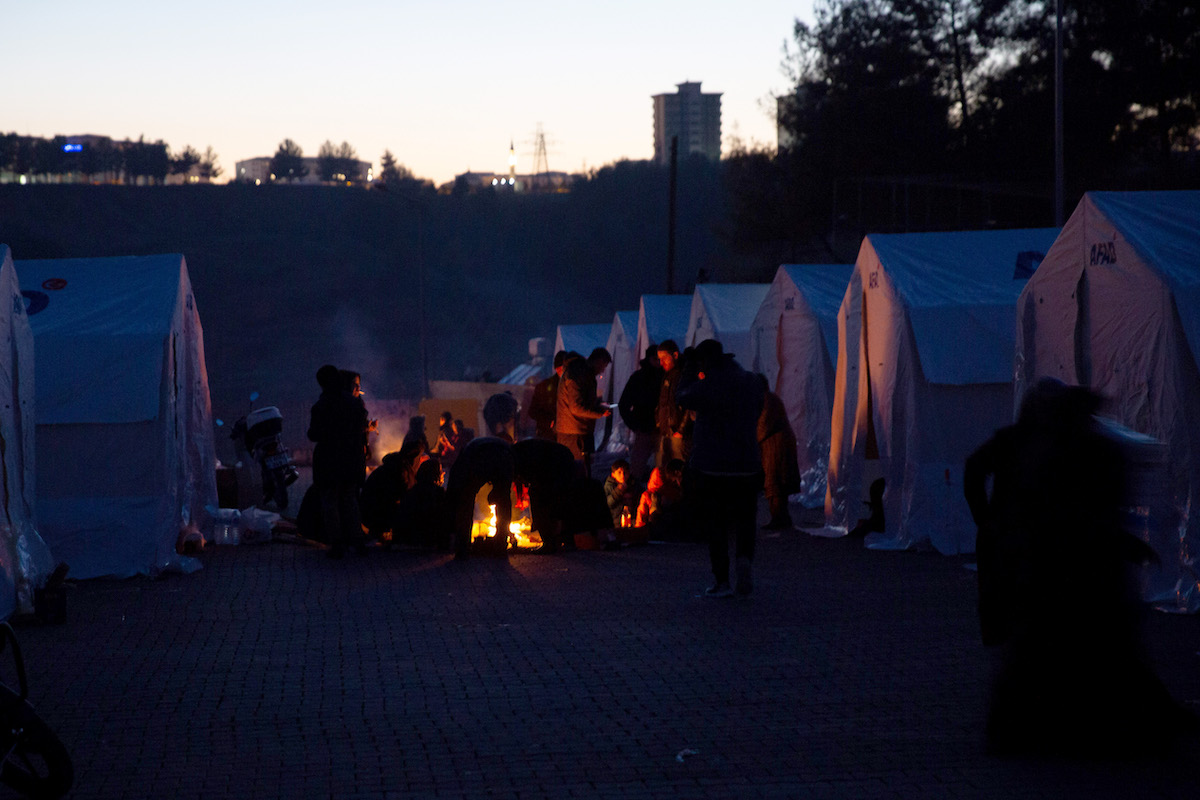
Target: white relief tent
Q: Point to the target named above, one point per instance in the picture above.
(124, 424)
(622, 339)
(725, 312)
(924, 376)
(794, 335)
(25, 561)
(1116, 306)
(662, 317)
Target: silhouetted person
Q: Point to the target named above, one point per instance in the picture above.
(422, 516)
(483, 460)
(416, 434)
(338, 426)
(544, 405)
(725, 470)
(638, 406)
(1058, 590)
(500, 415)
(777, 443)
(384, 488)
(547, 470)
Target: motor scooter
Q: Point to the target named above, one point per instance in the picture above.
(260, 434)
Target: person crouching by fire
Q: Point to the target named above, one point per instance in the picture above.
(483, 460)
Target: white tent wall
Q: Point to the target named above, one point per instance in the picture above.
(1113, 307)
(662, 317)
(25, 561)
(725, 312)
(924, 376)
(124, 435)
(794, 336)
(847, 440)
(622, 339)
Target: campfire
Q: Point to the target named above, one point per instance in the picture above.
(520, 529)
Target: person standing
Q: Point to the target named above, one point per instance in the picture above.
(674, 423)
(781, 469)
(638, 406)
(579, 405)
(724, 470)
(544, 405)
(338, 427)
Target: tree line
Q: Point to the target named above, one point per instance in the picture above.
(54, 158)
(919, 114)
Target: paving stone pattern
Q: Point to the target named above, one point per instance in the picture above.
(276, 673)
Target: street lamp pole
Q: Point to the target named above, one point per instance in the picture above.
(1058, 113)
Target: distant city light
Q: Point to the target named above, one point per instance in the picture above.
(72, 148)
(494, 181)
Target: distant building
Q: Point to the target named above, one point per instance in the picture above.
(258, 171)
(691, 115)
(510, 181)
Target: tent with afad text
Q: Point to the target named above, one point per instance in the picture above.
(924, 376)
(124, 426)
(1116, 306)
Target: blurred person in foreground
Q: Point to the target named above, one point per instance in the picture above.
(1059, 595)
(724, 472)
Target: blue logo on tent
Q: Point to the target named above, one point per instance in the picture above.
(35, 301)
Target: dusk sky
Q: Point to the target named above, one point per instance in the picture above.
(444, 86)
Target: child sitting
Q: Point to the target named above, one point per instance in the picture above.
(618, 493)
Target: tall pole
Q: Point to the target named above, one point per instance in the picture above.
(671, 216)
(421, 299)
(1058, 113)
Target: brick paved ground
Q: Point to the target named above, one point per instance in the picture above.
(274, 672)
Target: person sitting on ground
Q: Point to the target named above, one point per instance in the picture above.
(618, 492)
(421, 517)
(648, 504)
(385, 487)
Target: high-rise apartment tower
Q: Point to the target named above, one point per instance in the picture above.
(693, 116)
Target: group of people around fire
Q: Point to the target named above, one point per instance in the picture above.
(705, 438)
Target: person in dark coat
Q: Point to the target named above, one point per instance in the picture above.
(1058, 591)
(639, 406)
(546, 470)
(724, 468)
(484, 460)
(781, 469)
(543, 407)
(673, 421)
(338, 427)
(385, 487)
(579, 405)
(422, 514)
